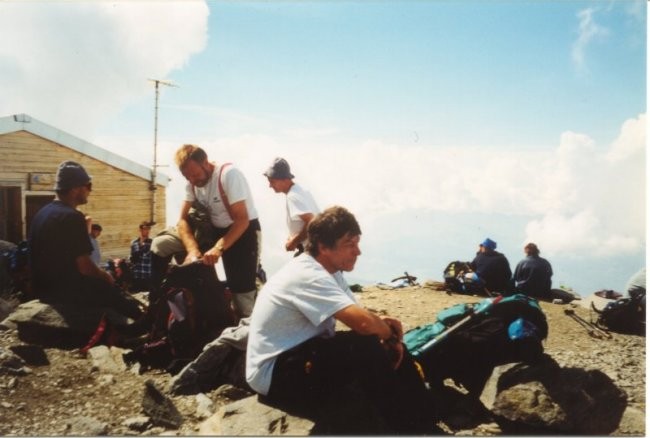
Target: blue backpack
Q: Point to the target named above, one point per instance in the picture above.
(466, 341)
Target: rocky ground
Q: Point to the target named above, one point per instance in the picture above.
(71, 396)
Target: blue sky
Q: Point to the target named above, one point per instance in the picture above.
(438, 123)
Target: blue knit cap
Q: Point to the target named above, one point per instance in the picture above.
(489, 243)
(71, 175)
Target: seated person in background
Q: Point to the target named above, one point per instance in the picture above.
(141, 259)
(533, 274)
(492, 267)
(59, 247)
(636, 284)
(296, 358)
(635, 288)
(94, 233)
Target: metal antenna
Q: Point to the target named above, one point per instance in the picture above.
(154, 167)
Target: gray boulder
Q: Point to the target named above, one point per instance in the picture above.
(546, 397)
(58, 326)
(85, 426)
(249, 417)
(160, 408)
(12, 364)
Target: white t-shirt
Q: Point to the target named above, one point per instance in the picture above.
(295, 305)
(299, 202)
(236, 188)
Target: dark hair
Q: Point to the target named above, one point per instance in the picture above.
(329, 226)
(96, 227)
(531, 249)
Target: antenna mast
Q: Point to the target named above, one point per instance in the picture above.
(154, 167)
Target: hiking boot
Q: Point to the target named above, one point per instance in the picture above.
(185, 383)
(203, 372)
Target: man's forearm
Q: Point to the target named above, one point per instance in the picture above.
(187, 236)
(236, 230)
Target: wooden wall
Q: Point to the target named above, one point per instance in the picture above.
(119, 200)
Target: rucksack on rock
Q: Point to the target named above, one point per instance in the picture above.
(191, 310)
(466, 341)
(625, 315)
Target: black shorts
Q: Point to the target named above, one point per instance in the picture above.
(240, 260)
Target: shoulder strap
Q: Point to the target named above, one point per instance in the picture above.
(222, 193)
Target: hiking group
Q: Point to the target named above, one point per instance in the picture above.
(489, 273)
(284, 334)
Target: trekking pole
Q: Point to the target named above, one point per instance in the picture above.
(455, 327)
(591, 328)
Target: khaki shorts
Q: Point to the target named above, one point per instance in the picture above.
(167, 243)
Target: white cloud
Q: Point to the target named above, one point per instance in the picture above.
(601, 197)
(73, 64)
(588, 31)
(630, 143)
(579, 198)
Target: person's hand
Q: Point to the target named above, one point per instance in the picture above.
(395, 326)
(109, 278)
(192, 256)
(395, 351)
(398, 350)
(394, 344)
(211, 256)
(290, 245)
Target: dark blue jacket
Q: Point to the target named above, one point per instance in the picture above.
(533, 276)
(494, 270)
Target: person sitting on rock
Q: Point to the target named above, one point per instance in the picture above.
(492, 267)
(635, 288)
(59, 247)
(533, 274)
(297, 360)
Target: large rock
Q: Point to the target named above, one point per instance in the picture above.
(12, 364)
(547, 397)
(5, 309)
(107, 359)
(249, 417)
(349, 412)
(160, 408)
(57, 325)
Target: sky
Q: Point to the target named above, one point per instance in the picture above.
(437, 123)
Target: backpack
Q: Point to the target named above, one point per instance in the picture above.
(192, 309)
(121, 271)
(625, 315)
(16, 264)
(452, 275)
(466, 341)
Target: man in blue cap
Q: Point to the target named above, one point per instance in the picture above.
(492, 267)
(61, 268)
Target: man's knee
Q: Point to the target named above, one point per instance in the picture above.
(166, 245)
(243, 303)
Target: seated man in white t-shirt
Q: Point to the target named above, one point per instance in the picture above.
(301, 207)
(296, 359)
